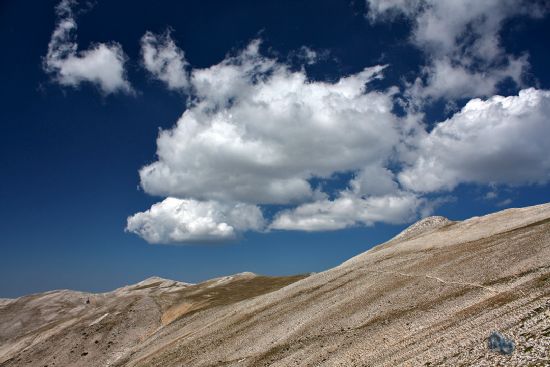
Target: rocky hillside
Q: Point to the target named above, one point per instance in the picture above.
(431, 296)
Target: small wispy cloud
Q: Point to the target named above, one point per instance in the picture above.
(461, 42)
(164, 60)
(101, 65)
(505, 202)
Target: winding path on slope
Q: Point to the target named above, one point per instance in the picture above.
(465, 284)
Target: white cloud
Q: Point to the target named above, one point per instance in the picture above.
(445, 79)
(501, 140)
(257, 132)
(461, 40)
(162, 58)
(491, 195)
(441, 27)
(102, 64)
(504, 202)
(178, 221)
(374, 180)
(309, 55)
(389, 9)
(349, 210)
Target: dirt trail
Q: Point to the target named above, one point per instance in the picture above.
(450, 282)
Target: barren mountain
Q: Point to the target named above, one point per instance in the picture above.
(431, 296)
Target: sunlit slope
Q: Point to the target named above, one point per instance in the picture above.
(427, 299)
(430, 296)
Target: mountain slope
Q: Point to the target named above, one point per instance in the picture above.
(68, 328)
(430, 296)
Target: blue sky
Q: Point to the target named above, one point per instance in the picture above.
(205, 138)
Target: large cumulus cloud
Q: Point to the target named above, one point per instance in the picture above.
(259, 133)
(501, 140)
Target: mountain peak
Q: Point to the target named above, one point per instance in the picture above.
(423, 226)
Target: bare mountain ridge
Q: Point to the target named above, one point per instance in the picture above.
(423, 227)
(430, 296)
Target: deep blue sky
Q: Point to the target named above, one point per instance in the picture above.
(69, 157)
